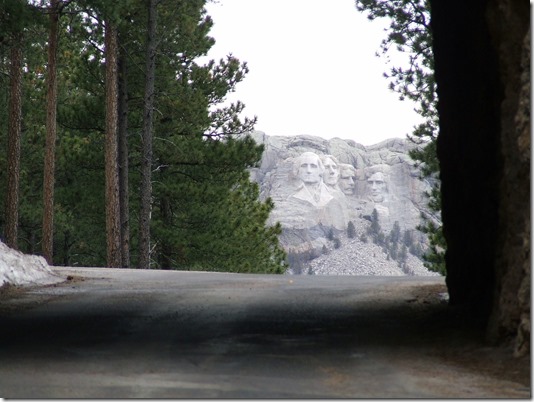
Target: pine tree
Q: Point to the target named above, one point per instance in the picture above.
(351, 230)
(22, 27)
(146, 143)
(409, 32)
(435, 256)
(330, 235)
(395, 233)
(374, 230)
(114, 258)
(124, 155)
(51, 133)
(18, 21)
(206, 213)
(393, 250)
(407, 238)
(14, 137)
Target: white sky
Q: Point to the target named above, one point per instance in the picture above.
(313, 68)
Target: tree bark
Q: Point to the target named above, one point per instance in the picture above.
(123, 161)
(111, 157)
(146, 161)
(14, 134)
(165, 259)
(51, 133)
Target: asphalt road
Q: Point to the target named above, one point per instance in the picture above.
(111, 333)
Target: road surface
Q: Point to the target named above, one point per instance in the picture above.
(121, 333)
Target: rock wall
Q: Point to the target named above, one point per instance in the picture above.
(510, 30)
(481, 51)
(319, 186)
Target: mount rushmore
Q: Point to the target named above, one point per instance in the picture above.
(320, 187)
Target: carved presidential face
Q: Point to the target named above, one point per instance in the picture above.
(347, 174)
(377, 186)
(310, 168)
(331, 172)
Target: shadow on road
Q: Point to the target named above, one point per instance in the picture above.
(248, 336)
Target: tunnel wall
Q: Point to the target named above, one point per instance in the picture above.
(482, 69)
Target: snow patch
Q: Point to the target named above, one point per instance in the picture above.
(17, 268)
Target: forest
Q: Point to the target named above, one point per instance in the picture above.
(115, 146)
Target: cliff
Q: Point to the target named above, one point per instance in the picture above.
(319, 186)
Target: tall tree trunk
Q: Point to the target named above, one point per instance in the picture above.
(51, 132)
(111, 158)
(146, 161)
(13, 153)
(165, 260)
(123, 161)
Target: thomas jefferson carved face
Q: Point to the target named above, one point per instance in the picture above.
(310, 168)
(331, 171)
(377, 186)
(347, 174)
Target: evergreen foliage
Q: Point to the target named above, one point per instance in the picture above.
(298, 260)
(396, 245)
(435, 257)
(351, 230)
(409, 33)
(395, 234)
(330, 235)
(374, 230)
(206, 213)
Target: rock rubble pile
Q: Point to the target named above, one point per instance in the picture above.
(356, 257)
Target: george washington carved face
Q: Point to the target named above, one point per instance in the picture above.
(310, 169)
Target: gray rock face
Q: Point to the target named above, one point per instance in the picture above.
(319, 186)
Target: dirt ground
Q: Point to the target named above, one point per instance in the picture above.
(471, 350)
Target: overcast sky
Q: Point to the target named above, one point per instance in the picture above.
(313, 68)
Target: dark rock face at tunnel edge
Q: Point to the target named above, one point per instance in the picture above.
(482, 66)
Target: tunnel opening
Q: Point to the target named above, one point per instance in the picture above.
(482, 69)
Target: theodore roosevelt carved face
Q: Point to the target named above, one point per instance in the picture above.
(347, 174)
